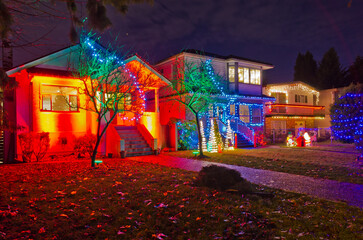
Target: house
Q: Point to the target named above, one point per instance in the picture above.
(242, 102)
(297, 107)
(37, 105)
(327, 98)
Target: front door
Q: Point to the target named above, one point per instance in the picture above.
(299, 126)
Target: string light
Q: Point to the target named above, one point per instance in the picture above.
(115, 60)
(347, 119)
(212, 144)
(204, 143)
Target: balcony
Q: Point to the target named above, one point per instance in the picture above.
(294, 110)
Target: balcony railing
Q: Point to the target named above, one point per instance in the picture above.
(294, 110)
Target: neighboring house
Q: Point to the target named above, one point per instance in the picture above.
(297, 107)
(35, 105)
(242, 81)
(327, 98)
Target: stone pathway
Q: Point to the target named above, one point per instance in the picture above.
(321, 188)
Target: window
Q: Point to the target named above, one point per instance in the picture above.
(150, 101)
(57, 98)
(243, 75)
(256, 115)
(301, 98)
(232, 110)
(255, 76)
(244, 113)
(231, 73)
(279, 127)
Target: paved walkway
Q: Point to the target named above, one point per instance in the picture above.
(321, 188)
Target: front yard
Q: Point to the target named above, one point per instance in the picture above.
(335, 162)
(123, 199)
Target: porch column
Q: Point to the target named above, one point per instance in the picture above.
(236, 76)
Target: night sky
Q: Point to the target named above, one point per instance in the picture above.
(270, 31)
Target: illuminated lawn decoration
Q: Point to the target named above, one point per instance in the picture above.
(204, 141)
(307, 139)
(291, 141)
(212, 144)
(229, 138)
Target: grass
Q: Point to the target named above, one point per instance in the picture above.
(318, 162)
(123, 199)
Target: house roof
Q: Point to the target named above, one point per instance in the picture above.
(42, 60)
(38, 65)
(291, 83)
(213, 55)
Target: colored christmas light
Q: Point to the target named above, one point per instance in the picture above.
(204, 142)
(212, 144)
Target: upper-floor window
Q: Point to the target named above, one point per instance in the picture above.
(58, 98)
(255, 76)
(301, 98)
(231, 73)
(243, 75)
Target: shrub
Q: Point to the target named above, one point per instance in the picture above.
(41, 145)
(85, 144)
(26, 144)
(34, 143)
(222, 178)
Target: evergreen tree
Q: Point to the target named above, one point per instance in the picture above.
(330, 73)
(305, 68)
(355, 71)
(346, 114)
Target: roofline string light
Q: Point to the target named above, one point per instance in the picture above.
(91, 44)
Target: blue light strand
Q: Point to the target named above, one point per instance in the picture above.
(91, 44)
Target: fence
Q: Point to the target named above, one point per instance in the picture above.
(280, 135)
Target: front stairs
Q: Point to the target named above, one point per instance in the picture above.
(135, 144)
(242, 142)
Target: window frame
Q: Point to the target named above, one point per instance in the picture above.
(51, 98)
(231, 76)
(255, 70)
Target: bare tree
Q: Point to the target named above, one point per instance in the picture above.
(194, 86)
(111, 87)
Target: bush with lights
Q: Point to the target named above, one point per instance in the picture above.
(187, 135)
(346, 113)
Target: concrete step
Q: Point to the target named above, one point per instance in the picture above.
(134, 154)
(144, 149)
(138, 145)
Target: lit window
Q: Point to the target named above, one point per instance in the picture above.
(243, 75)
(232, 110)
(57, 98)
(255, 76)
(231, 73)
(244, 113)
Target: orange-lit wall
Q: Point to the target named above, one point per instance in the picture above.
(60, 125)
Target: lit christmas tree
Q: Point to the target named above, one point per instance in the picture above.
(204, 142)
(212, 144)
(229, 137)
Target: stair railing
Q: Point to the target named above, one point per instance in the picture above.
(151, 141)
(243, 129)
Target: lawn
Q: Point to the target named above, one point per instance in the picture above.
(324, 161)
(123, 199)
